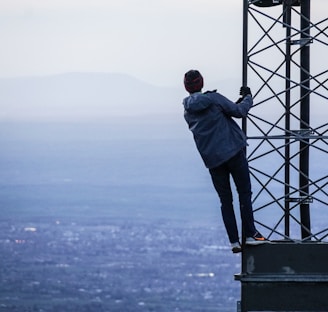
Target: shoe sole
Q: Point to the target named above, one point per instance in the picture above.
(255, 243)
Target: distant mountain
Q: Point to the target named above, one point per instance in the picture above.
(85, 96)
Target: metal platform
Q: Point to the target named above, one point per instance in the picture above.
(284, 276)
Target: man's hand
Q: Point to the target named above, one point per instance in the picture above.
(245, 91)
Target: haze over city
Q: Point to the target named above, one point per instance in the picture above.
(155, 41)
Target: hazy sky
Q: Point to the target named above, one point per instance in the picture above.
(154, 40)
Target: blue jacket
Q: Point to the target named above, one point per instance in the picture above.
(217, 136)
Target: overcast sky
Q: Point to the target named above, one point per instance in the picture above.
(153, 40)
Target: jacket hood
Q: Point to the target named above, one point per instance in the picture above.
(196, 102)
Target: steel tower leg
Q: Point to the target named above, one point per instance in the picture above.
(245, 58)
(288, 22)
(305, 118)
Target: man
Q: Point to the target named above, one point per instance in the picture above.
(221, 144)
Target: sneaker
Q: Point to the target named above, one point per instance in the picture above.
(257, 239)
(235, 247)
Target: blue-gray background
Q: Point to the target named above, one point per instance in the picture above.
(106, 204)
(110, 216)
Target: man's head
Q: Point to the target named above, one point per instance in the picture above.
(193, 81)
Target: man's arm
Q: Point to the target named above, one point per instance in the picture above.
(232, 109)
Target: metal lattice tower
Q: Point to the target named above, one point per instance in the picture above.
(287, 133)
(287, 126)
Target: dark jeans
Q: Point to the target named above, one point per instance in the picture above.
(237, 167)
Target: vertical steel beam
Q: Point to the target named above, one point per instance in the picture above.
(305, 118)
(245, 54)
(288, 23)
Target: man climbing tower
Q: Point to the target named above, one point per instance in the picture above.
(221, 144)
